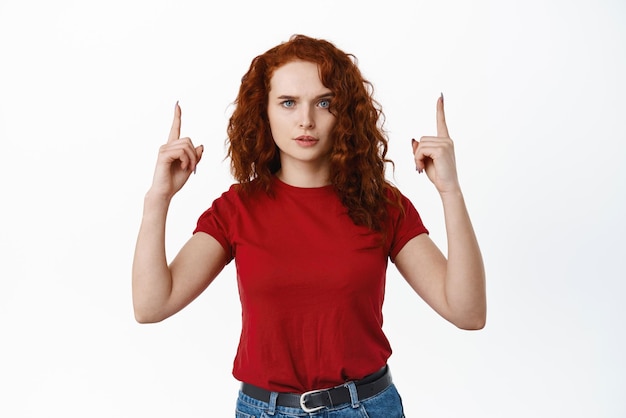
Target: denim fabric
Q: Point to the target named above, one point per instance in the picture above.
(386, 404)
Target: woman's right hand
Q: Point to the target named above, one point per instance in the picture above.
(177, 159)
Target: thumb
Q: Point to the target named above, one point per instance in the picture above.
(414, 144)
(199, 151)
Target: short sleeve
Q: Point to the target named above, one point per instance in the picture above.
(217, 221)
(406, 226)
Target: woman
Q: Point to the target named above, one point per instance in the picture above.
(310, 224)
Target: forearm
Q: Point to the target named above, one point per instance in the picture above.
(151, 276)
(465, 273)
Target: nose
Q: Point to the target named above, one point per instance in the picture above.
(307, 121)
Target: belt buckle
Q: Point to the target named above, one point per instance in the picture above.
(303, 401)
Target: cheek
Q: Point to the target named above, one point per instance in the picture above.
(330, 121)
(274, 121)
(279, 127)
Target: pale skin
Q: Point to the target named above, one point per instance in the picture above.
(453, 286)
(159, 290)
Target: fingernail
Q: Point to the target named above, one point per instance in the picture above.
(413, 141)
(442, 97)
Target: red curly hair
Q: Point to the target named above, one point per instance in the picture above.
(357, 159)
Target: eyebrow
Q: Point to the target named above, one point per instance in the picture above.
(321, 96)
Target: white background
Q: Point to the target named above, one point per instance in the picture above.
(535, 102)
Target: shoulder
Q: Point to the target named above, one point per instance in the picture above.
(239, 191)
(397, 202)
(401, 211)
(239, 198)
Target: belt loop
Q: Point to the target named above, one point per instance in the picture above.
(272, 403)
(354, 396)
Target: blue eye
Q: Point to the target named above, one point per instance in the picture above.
(288, 103)
(324, 103)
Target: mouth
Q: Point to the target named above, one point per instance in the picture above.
(306, 140)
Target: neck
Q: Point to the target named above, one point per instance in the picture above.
(305, 177)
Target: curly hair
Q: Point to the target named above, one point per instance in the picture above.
(358, 156)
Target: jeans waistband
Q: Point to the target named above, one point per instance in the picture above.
(317, 399)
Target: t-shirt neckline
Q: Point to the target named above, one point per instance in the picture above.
(302, 190)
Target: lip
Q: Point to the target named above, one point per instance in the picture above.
(306, 140)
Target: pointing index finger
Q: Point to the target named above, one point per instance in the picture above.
(442, 128)
(175, 130)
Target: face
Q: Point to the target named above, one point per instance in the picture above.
(299, 116)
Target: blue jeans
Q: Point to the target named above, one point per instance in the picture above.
(386, 404)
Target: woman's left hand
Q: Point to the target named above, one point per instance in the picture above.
(435, 155)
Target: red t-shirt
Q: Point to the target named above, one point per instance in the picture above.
(311, 284)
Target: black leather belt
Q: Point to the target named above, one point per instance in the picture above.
(317, 399)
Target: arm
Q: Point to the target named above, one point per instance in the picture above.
(160, 290)
(454, 287)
